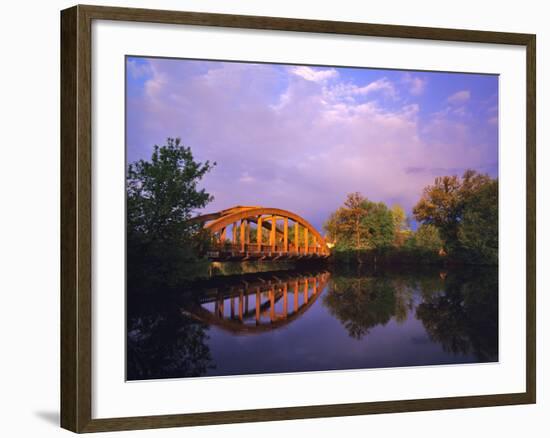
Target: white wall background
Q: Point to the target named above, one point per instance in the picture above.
(29, 216)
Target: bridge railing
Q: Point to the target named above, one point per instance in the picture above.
(266, 249)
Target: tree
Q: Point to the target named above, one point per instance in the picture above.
(427, 238)
(162, 193)
(478, 230)
(161, 196)
(444, 204)
(400, 224)
(440, 206)
(361, 224)
(399, 217)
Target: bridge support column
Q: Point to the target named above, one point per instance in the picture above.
(273, 231)
(243, 226)
(306, 240)
(259, 234)
(297, 236)
(285, 235)
(234, 233)
(222, 235)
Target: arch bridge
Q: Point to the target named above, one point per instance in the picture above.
(260, 233)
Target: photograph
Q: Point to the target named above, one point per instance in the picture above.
(285, 218)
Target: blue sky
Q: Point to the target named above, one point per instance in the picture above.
(301, 137)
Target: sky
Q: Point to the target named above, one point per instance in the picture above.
(301, 138)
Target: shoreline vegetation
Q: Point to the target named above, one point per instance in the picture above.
(455, 223)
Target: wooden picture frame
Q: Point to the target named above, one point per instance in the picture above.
(76, 217)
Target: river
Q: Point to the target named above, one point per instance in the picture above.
(315, 320)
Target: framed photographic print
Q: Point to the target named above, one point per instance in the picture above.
(341, 214)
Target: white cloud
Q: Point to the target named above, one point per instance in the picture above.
(246, 178)
(459, 97)
(315, 75)
(346, 91)
(306, 143)
(138, 70)
(416, 85)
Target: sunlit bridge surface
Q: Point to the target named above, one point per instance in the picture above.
(267, 303)
(260, 233)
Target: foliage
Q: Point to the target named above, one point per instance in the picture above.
(478, 231)
(399, 217)
(361, 224)
(401, 228)
(465, 211)
(427, 238)
(161, 195)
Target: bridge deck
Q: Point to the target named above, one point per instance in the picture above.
(253, 251)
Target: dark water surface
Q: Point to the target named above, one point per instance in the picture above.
(295, 321)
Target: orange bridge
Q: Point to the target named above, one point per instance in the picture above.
(260, 233)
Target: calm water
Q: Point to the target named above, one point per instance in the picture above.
(297, 321)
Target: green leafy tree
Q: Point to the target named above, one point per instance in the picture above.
(401, 228)
(162, 193)
(445, 203)
(478, 230)
(399, 217)
(361, 224)
(161, 196)
(427, 238)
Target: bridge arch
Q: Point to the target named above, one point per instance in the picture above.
(305, 240)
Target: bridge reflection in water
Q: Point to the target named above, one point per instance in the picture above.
(259, 305)
(345, 319)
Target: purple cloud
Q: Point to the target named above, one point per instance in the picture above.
(301, 138)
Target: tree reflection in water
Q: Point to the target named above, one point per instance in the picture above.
(459, 309)
(463, 317)
(206, 329)
(164, 343)
(361, 303)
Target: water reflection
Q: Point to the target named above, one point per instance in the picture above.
(252, 306)
(163, 343)
(463, 317)
(308, 321)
